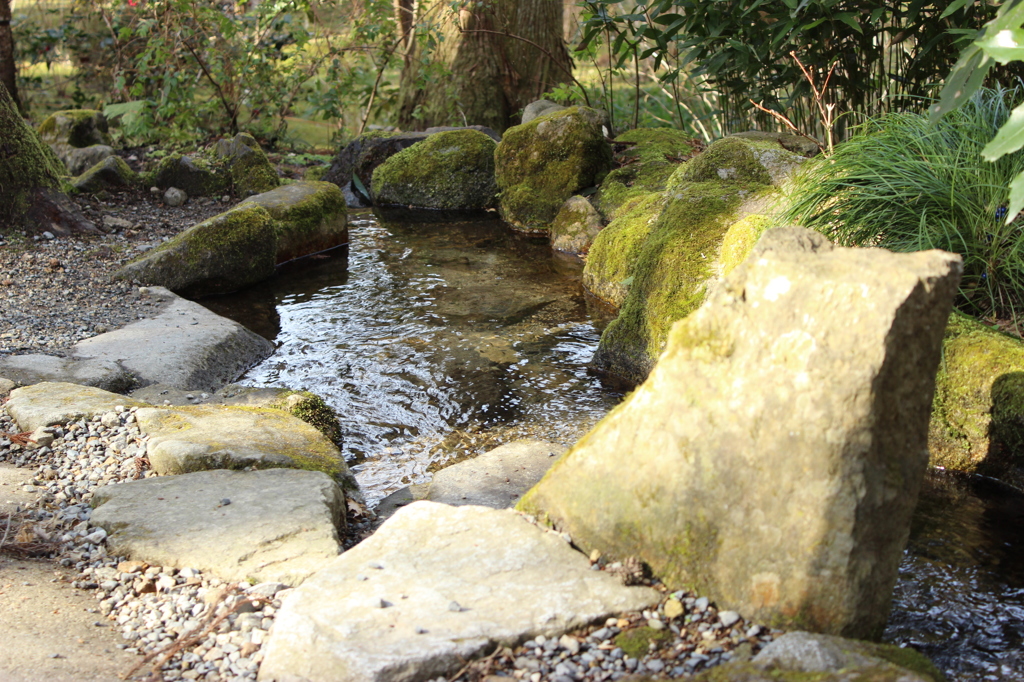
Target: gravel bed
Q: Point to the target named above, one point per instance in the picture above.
(57, 292)
(154, 606)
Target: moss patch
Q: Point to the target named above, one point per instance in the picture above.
(75, 127)
(636, 643)
(977, 422)
(311, 408)
(25, 165)
(196, 174)
(740, 239)
(110, 173)
(608, 273)
(727, 159)
(448, 170)
(540, 164)
(626, 183)
(308, 217)
(657, 144)
(248, 166)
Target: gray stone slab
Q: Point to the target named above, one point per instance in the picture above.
(278, 525)
(184, 346)
(497, 478)
(435, 586)
(36, 368)
(49, 403)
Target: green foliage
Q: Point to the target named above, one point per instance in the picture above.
(906, 185)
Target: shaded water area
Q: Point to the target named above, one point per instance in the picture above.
(435, 341)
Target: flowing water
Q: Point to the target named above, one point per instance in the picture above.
(437, 341)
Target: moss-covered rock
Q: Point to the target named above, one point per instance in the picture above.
(75, 127)
(741, 160)
(656, 144)
(977, 421)
(450, 170)
(249, 168)
(112, 173)
(628, 182)
(309, 217)
(360, 157)
(540, 164)
(670, 276)
(575, 227)
(223, 254)
(740, 239)
(196, 174)
(608, 273)
(80, 159)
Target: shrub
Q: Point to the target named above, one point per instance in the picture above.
(905, 185)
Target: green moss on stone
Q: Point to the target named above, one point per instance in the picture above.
(727, 159)
(314, 173)
(608, 272)
(312, 409)
(25, 165)
(309, 217)
(671, 273)
(911, 659)
(629, 182)
(448, 170)
(657, 144)
(196, 174)
(740, 239)
(542, 163)
(110, 173)
(977, 420)
(636, 643)
(75, 127)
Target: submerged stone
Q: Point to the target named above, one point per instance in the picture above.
(450, 170)
(773, 458)
(540, 164)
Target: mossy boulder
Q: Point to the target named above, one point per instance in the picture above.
(772, 460)
(309, 217)
(452, 170)
(112, 173)
(540, 164)
(203, 437)
(225, 253)
(978, 416)
(249, 168)
(575, 227)
(195, 174)
(360, 157)
(674, 265)
(75, 127)
(80, 159)
(740, 159)
(740, 239)
(608, 273)
(643, 145)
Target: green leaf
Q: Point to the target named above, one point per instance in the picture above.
(360, 186)
(850, 20)
(953, 7)
(1004, 46)
(1009, 139)
(963, 81)
(1016, 198)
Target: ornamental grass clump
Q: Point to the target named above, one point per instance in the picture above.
(905, 185)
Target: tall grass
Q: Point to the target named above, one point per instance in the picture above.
(905, 185)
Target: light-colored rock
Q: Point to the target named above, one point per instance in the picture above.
(311, 217)
(510, 579)
(277, 525)
(575, 226)
(6, 386)
(35, 368)
(51, 403)
(80, 159)
(497, 478)
(773, 458)
(184, 345)
(540, 108)
(202, 437)
(175, 197)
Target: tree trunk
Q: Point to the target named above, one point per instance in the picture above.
(8, 68)
(31, 192)
(502, 55)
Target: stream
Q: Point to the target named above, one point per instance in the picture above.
(437, 341)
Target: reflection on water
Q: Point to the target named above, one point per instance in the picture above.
(960, 596)
(431, 339)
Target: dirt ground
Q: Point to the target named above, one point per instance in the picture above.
(50, 631)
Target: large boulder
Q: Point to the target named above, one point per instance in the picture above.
(50, 403)
(203, 437)
(978, 418)
(75, 128)
(112, 173)
(248, 167)
(360, 157)
(802, 656)
(277, 525)
(434, 587)
(575, 227)
(310, 217)
(540, 164)
(451, 170)
(195, 174)
(183, 346)
(773, 458)
(225, 253)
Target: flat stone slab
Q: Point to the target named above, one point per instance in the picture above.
(278, 525)
(435, 586)
(184, 345)
(497, 478)
(203, 437)
(51, 403)
(36, 368)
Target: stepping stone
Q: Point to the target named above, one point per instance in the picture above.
(51, 403)
(497, 478)
(278, 525)
(35, 368)
(435, 586)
